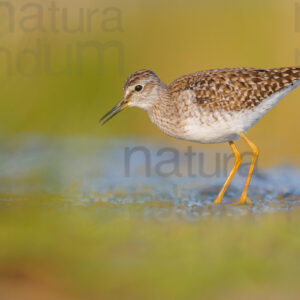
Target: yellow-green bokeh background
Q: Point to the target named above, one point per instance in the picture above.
(78, 245)
(169, 37)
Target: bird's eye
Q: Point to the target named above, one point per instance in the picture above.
(138, 88)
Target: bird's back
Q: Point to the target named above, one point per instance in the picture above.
(234, 89)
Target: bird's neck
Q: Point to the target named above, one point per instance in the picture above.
(164, 113)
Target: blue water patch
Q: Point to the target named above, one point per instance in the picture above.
(169, 181)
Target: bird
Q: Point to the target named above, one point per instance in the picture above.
(210, 107)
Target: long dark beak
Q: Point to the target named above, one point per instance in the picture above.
(115, 110)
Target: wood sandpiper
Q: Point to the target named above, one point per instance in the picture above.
(213, 106)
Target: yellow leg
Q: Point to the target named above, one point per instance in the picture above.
(237, 163)
(244, 197)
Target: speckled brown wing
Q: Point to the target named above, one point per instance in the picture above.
(234, 89)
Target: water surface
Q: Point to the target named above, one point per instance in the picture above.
(158, 180)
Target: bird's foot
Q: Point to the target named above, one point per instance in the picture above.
(243, 200)
(218, 200)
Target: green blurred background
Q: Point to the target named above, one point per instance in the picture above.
(82, 241)
(53, 91)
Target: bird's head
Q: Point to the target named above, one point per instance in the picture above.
(141, 89)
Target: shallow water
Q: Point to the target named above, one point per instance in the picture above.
(88, 171)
